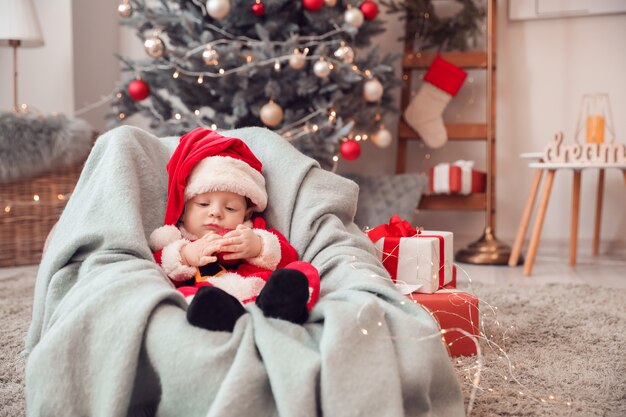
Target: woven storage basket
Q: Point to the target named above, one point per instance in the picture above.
(28, 211)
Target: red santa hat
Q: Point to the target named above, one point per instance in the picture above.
(207, 161)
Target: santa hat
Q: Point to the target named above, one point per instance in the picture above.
(207, 161)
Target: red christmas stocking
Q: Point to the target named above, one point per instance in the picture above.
(424, 114)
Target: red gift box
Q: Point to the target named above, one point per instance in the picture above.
(456, 178)
(454, 309)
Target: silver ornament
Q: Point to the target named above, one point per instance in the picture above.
(124, 9)
(345, 54)
(154, 47)
(354, 17)
(382, 138)
(321, 69)
(218, 9)
(271, 114)
(210, 56)
(372, 90)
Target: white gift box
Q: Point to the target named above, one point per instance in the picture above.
(421, 263)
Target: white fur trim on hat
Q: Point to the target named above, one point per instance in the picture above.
(270, 250)
(163, 236)
(223, 173)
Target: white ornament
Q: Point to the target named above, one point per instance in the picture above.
(218, 9)
(382, 138)
(154, 47)
(321, 69)
(372, 90)
(210, 56)
(330, 3)
(354, 17)
(271, 114)
(297, 61)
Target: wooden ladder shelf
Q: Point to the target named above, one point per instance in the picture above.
(487, 250)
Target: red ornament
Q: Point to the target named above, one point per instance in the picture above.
(350, 150)
(258, 9)
(369, 10)
(138, 90)
(312, 5)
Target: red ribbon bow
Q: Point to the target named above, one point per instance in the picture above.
(397, 227)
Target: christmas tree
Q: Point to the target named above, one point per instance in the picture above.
(290, 65)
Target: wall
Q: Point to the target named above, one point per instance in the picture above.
(544, 67)
(96, 70)
(45, 74)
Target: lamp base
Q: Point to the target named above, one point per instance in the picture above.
(485, 251)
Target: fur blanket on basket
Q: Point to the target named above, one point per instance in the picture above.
(109, 334)
(31, 145)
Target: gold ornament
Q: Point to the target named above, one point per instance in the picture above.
(330, 3)
(297, 61)
(154, 47)
(124, 9)
(210, 56)
(345, 54)
(382, 138)
(271, 114)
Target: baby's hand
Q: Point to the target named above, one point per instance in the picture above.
(201, 252)
(241, 243)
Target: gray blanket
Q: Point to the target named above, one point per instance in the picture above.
(109, 335)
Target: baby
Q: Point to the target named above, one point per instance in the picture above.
(216, 247)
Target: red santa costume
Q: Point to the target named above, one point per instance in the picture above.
(206, 161)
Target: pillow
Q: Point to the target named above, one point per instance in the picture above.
(384, 195)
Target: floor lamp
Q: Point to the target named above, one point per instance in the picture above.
(19, 26)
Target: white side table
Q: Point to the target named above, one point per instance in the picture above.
(551, 168)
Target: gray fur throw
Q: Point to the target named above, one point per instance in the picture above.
(31, 145)
(382, 196)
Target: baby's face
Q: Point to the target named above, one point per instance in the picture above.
(213, 211)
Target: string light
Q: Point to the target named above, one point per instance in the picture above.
(200, 79)
(36, 197)
(470, 369)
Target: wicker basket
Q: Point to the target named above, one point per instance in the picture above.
(28, 211)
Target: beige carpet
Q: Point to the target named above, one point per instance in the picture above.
(564, 341)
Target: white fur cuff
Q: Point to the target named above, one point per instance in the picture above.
(163, 236)
(171, 262)
(270, 251)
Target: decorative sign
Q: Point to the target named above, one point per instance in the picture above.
(588, 153)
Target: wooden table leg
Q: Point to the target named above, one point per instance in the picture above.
(523, 226)
(541, 214)
(573, 238)
(598, 222)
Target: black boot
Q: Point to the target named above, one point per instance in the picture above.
(214, 309)
(285, 296)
